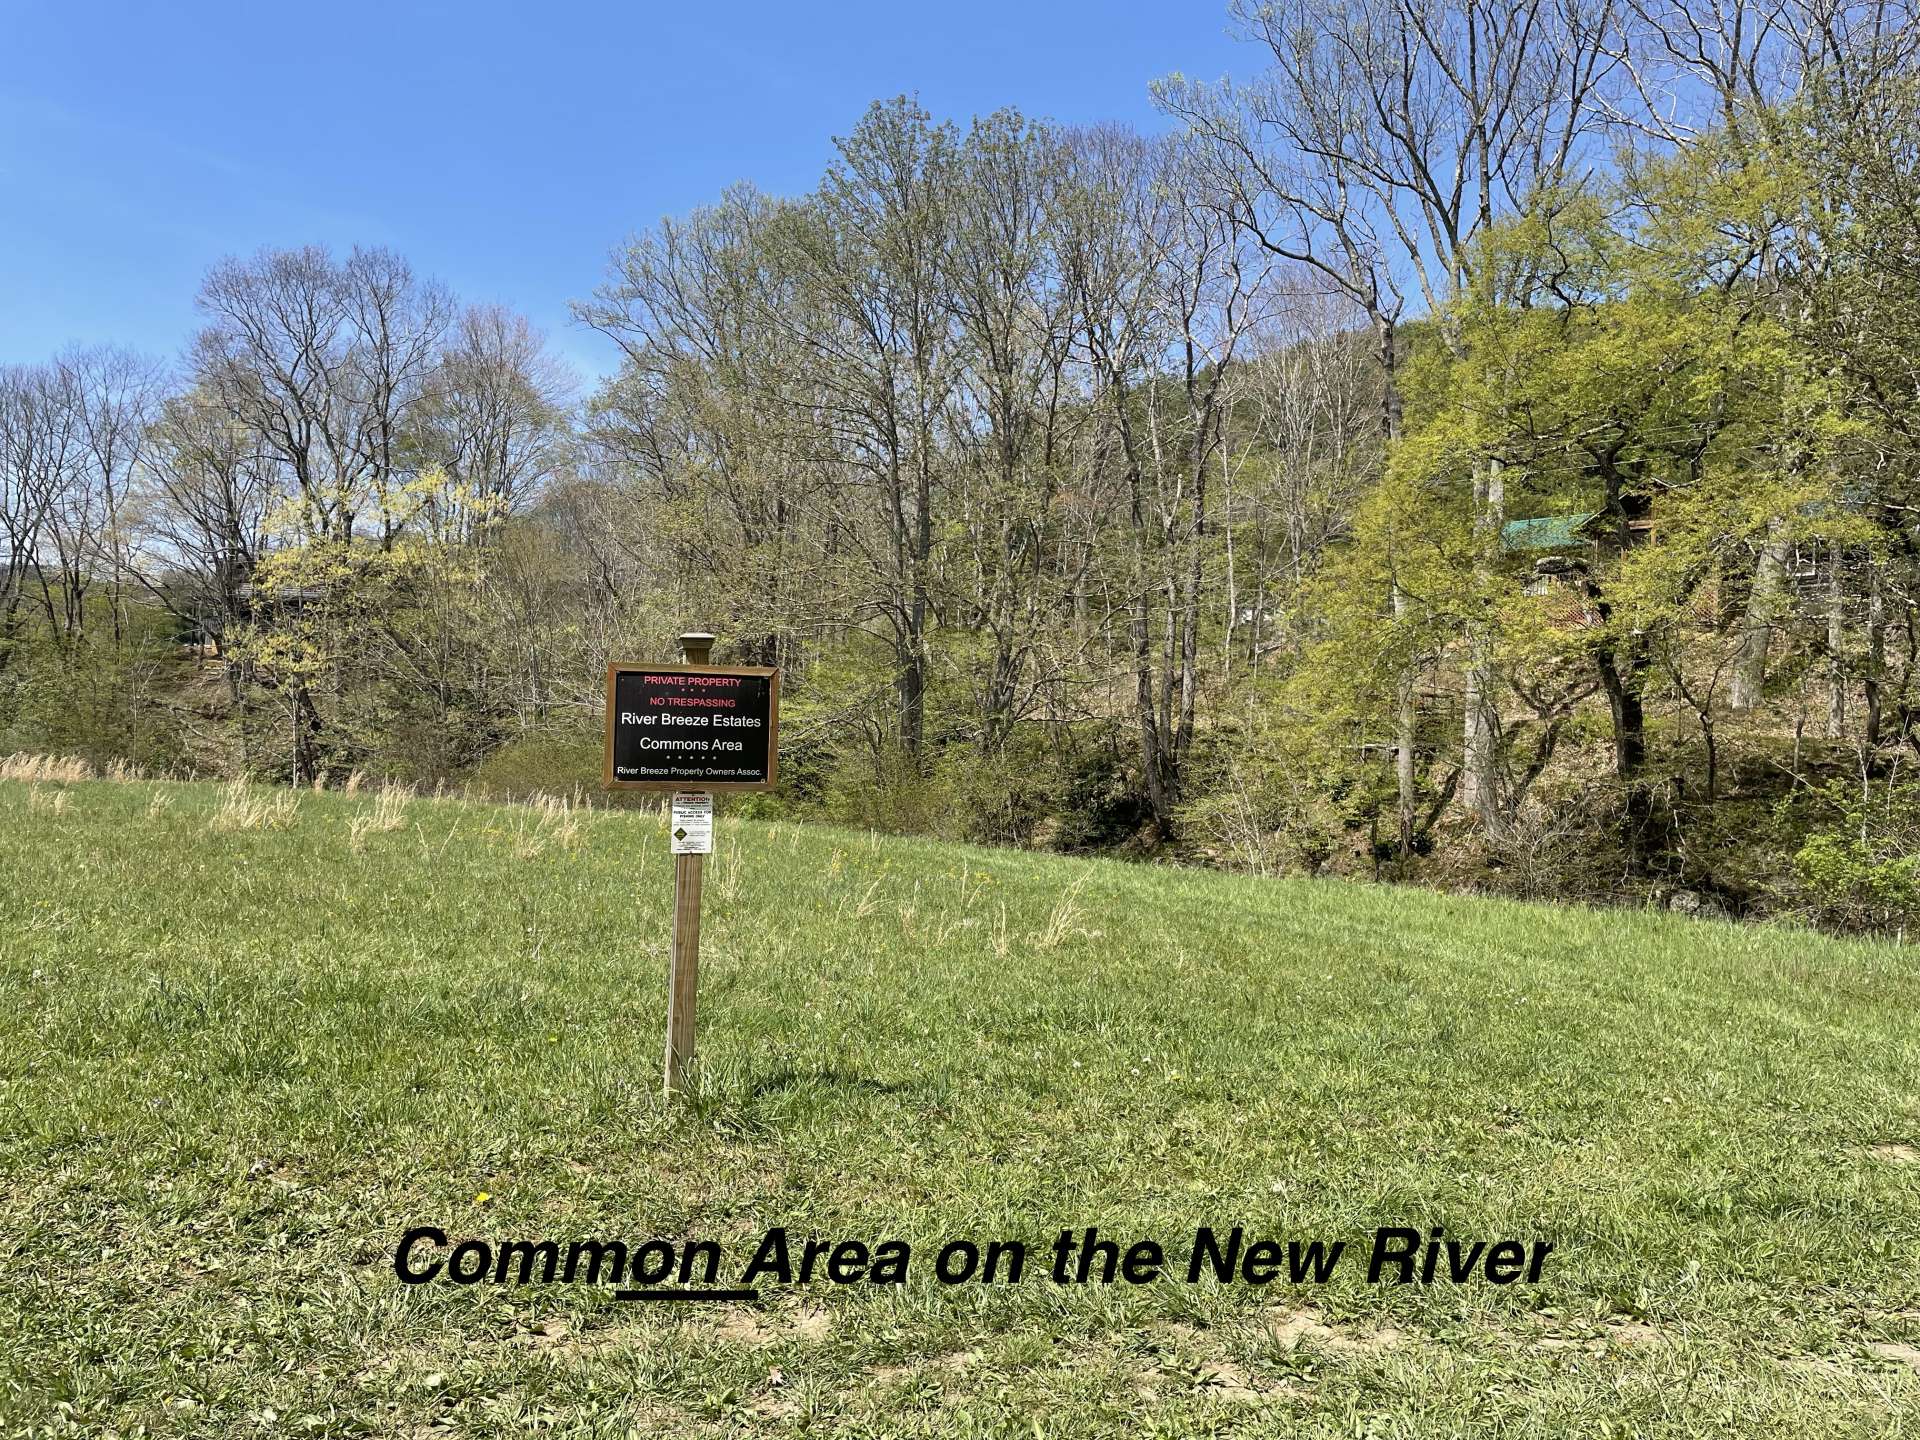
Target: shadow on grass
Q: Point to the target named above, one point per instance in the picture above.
(790, 1078)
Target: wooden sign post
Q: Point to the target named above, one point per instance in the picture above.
(691, 729)
(683, 980)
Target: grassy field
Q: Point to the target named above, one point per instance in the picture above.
(242, 1051)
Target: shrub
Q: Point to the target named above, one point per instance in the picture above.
(1102, 804)
(885, 792)
(1003, 798)
(99, 703)
(1272, 813)
(1860, 870)
(551, 764)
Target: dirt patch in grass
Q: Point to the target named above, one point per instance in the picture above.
(1633, 1332)
(951, 1362)
(1595, 1339)
(553, 1333)
(1848, 1367)
(772, 1400)
(559, 1335)
(812, 1324)
(1225, 1380)
(1898, 1352)
(286, 1177)
(769, 1327)
(743, 1327)
(1283, 1329)
(1895, 1153)
(1297, 1325)
(1169, 1365)
(568, 1338)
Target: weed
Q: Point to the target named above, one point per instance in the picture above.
(1063, 919)
(47, 802)
(389, 813)
(47, 769)
(247, 807)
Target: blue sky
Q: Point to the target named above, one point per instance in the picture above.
(504, 148)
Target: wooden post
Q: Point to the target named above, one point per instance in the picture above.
(683, 983)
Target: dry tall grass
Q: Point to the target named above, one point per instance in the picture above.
(1064, 920)
(243, 807)
(389, 813)
(547, 820)
(46, 769)
(48, 802)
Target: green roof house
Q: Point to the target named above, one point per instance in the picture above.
(1547, 532)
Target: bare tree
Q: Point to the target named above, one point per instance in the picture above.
(327, 365)
(40, 447)
(74, 519)
(118, 393)
(325, 362)
(876, 257)
(1013, 410)
(710, 428)
(388, 372)
(1168, 295)
(211, 487)
(1311, 400)
(497, 420)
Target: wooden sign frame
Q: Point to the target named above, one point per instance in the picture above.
(772, 675)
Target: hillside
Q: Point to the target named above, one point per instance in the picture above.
(245, 1048)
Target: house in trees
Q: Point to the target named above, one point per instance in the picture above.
(1558, 552)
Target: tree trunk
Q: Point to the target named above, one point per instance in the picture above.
(1479, 787)
(913, 674)
(1876, 653)
(1404, 719)
(1154, 737)
(1405, 716)
(1153, 742)
(1763, 609)
(910, 686)
(1624, 689)
(1836, 644)
(306, 735)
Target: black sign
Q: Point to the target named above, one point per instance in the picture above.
(692, 727)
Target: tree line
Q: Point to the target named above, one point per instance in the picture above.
(1478, 448)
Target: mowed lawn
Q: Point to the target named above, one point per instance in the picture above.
(236, 1064)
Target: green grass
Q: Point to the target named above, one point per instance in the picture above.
(236, 1064)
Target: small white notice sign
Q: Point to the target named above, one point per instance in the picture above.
(691, 822)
